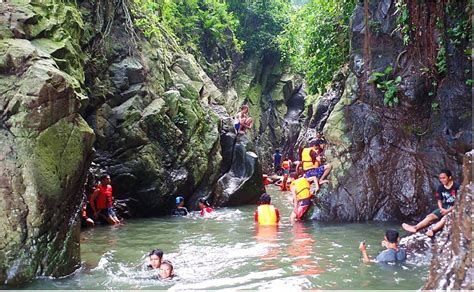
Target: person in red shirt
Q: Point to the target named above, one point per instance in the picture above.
(266, 214)
(205, 207)
(102, 201)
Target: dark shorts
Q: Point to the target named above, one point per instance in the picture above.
(317, 172)
(437, 212)
(237, 127)
(107, 212)
(277, 168)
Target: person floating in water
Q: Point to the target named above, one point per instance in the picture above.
(154, 258)
(445, 196)
(301, 191)
(180, 209)
(244, 121)
(266, 214)
(102, 201)
(166, 271)
(392, 253)
(276, 157)
(312, 163)
(205, 207)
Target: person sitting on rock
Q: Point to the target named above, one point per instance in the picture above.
(301, 191)
(154, 259)
(180, 209)
(205, 207)
(445, 196)
(102, 201)
(312, 163)
(245, 122)
(266, 213)
(166, 271)
(392, 253)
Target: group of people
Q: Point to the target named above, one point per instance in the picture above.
(156, 262)
(203, 204)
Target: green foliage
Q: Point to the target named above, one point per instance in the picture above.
(261, 21)
(316, 40)
(403, 21)
(389, 87)
(194, 22)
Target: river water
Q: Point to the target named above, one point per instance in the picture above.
(228, 251)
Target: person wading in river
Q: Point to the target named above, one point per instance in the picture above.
(301, 191)
(205, 207)
(180, 209)
(102, 201)
(392, 253)
(445, 196)
(154, 259)
(266, 213)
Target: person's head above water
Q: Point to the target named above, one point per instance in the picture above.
(155, 258)
(166, 270)
(179, 201)
(391, 236)
(265, 199)
(203, 203)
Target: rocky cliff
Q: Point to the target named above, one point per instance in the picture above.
(400, 113)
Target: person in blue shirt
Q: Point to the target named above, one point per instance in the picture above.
(277, 162)
(392, 253)
(180, 209)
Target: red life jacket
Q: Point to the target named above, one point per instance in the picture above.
(105, 199)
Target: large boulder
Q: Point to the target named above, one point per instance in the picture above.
(45, 145)
(451, 267)
(386, 159)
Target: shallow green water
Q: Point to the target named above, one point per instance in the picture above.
(228, 251)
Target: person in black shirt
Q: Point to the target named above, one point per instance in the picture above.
(180, 209)
(445, 195)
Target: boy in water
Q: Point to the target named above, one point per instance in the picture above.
(392, 253)
(155, 257)
(166, 270)
(180, 209)
(446, 196)
(205, 207)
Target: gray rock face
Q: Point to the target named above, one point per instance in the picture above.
(45, 145)
(451, 267)
(386, 159)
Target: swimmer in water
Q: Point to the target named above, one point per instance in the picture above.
(166, 271)
(155, 257)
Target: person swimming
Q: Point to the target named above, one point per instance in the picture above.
(154, 258)
(180, 209)
(205, 207)
(166, 271)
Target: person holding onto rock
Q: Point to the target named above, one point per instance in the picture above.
(301, 191)
(445, 196)
(392, 253)
(312, 163)
(245, 122)
(180, 209)
(102, 201)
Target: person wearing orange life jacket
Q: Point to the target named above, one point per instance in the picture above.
(285, 166)
(102, 201)
(312, 163)
(266, 214)
(301, 191)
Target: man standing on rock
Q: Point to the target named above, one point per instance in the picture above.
(277, 162)
(445, 195)
(102, 201)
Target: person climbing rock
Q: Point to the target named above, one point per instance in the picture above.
(301, 191)
(180, 209)
(205, 207)
(245, 122)
(277, 162)
(166, 271)
(392, 253)
(312, 163)
(102, 201)
(86, 221)
(266, 213)
(154, 259)
(445, 196)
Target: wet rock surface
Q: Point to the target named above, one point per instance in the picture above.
(45, 145)
(451, 267)
(386, 159)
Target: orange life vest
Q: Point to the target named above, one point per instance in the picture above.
(267, 215)
(285, 164)
(302, 188)
(104, 199)
(307, 160)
